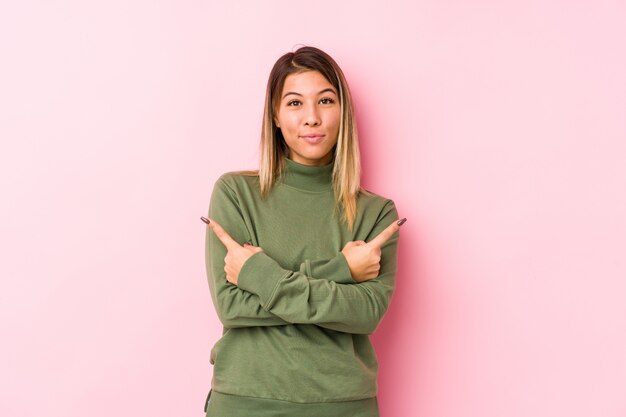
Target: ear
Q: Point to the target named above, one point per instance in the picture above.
(276, 122)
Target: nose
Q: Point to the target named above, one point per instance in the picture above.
(312, 117)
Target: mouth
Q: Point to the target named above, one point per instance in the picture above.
(313, 139)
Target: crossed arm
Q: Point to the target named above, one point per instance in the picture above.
(321, 292)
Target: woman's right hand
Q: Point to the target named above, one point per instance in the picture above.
(236, 254)
(364, 257)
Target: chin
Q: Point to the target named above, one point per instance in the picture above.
(310, 159)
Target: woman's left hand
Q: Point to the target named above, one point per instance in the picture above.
(237, 254)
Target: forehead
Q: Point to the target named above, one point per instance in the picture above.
(306, 82)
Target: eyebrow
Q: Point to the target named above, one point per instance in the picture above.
(326, 90)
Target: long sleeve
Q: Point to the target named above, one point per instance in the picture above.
(335, 269)
(297, 298)
(236, 307)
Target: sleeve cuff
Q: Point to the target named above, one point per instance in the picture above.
(261, 275)
(335, 269)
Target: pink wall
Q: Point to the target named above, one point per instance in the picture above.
(497, 127)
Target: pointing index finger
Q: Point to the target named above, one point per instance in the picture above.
(386, 234)
(221, 234)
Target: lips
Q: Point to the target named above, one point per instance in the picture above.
(313, 138)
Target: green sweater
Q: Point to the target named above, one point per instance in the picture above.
(296, 326)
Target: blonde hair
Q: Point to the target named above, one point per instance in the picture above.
(346, 174)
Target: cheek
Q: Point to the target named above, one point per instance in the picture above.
(287, 122)
(335, 120)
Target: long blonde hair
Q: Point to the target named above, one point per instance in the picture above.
(346, 174)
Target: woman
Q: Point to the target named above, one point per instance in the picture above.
(292, 278)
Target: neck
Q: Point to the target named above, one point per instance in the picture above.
(308, 177)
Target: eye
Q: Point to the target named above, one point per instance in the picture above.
(294, 103)
(327, 100)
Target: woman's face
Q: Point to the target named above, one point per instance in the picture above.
(308, 115)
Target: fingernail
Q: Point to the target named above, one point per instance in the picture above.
(204, 219)
(401, 222)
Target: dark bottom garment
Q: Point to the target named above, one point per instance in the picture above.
(225, 405)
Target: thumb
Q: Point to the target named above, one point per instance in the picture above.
(353, 243)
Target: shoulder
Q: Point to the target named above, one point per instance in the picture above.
(370, 203)
(236, 180)
(234, 188)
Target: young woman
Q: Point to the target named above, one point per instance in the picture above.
(301, 260)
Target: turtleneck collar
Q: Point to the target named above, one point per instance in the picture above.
(308, 177)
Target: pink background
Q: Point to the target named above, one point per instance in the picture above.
(497, 127)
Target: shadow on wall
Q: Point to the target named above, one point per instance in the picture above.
(400, 325)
